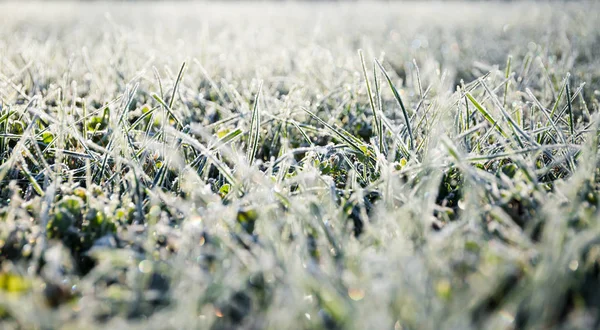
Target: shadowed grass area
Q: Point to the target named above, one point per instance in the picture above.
(333, 166)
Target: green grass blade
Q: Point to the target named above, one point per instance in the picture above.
(254, 128)
(338, 132)
(162, 102)
(177, 82)
(227, 138)
(506, 75)
(400, 103)
(570, 107)
(141, 118)
(376, 119)
(486, 114)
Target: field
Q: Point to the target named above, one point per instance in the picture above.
(299, 166)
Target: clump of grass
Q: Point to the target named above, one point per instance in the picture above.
(273, 180)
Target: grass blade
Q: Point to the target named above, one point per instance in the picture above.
(506, 75)
(341, 133)
(254, 128)
(227, 138)
(376, 119)
(177, 82)
(486, 114)
(399, 100)
(571, 124)
(167, 108)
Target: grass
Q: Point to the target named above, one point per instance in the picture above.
(225, 166)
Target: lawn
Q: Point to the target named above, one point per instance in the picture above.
(420, 165)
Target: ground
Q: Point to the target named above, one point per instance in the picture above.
(284, 166)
